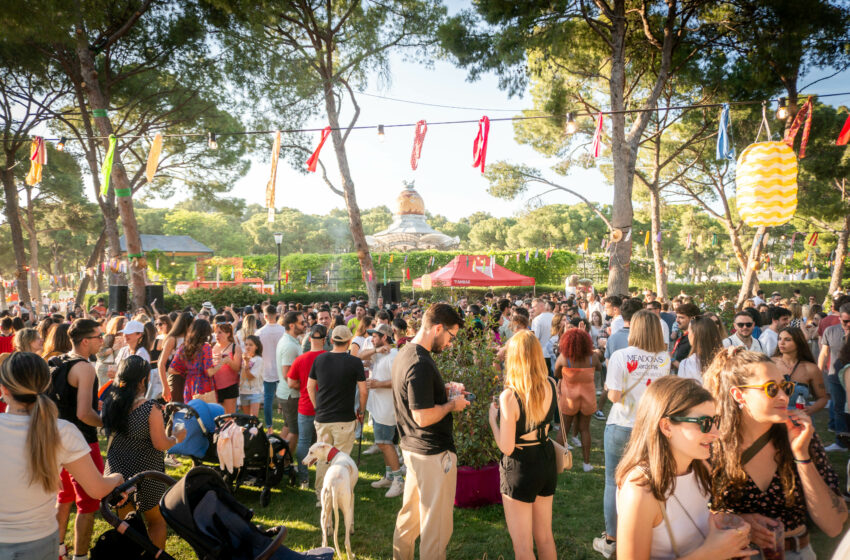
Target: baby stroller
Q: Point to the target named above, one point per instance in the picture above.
(203, 512)
(267, 458)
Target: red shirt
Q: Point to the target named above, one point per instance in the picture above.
(300, 371)
(6, 343)
(827, 321)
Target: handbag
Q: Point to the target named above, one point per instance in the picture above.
(563, 456)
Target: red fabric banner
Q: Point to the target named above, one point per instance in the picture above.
(314, 159)
(479, 147)
(596, 147)
(805, 112)
(844, 136)
(418, 139)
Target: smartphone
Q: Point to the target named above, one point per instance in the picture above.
(469, 397)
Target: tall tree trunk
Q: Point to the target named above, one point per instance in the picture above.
(13, 216)
(354, 221)
(119, 176)
(840, 258)
(751, 275)
(92, 262)
(3, 306)
(624, 156)
(32, 232)
(657, 251)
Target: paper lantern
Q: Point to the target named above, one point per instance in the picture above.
(766, 184)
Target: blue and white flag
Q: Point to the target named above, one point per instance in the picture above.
(309, 276)
(725, 143)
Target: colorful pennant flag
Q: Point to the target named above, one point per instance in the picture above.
(805, 112)
(725, 144)
(38, 158)
(844, 135)
(418, 139)
(153, 157)
(106, 168)
(313, 160)
(479, 146)
(596, 146)
(646, 240)
(270, 186)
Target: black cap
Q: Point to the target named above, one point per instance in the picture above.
(318, 331)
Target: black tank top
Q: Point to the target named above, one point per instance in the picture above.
(540, 428)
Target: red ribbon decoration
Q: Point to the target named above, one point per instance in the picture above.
(844, 136)
(418, 138)
(314, 159)
(805, 112)
(814, 239)
(479, 146)
(596, 147)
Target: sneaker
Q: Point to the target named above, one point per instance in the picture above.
(569, 447)
(587, 467)
(403, 470)
(603, 547)
(835, 447)
(396, 489)
(599, 415)
(576, 441)
(372, 450)
(304, 485)
(170, 461)
(383, 483)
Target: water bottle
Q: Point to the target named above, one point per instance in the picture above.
(800, 403)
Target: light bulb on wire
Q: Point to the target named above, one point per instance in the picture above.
(572, 126)
(60, 147)
(380, 133)
(211, 141)
(782, 110)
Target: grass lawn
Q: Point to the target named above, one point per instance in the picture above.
(577, 515)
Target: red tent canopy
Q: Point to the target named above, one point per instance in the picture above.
(472, 270)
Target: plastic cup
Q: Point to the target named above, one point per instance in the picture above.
(727, 521)
(777, 552)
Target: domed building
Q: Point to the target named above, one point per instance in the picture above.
(409, 229)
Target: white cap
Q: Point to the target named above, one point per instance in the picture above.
(206, 304)
(133, 327)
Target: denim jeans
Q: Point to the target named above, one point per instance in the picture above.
(615, 440)
(269, 390)
(42, 549)
(838, 396)
(306, 438)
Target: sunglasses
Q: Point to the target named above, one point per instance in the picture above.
(704, 422)
(744, 325)
(771, 388)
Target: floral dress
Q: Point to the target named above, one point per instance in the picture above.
(194, 371)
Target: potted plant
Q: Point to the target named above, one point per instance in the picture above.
(471, 361)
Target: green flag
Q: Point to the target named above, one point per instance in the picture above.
(106, 169)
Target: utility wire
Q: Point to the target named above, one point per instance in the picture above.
(464, 121)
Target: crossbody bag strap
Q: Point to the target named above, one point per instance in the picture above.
(757, 446)
(669, 529)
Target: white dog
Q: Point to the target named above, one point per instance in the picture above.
(337, 491)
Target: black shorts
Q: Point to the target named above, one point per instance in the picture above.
(528, 472)
(227, 393)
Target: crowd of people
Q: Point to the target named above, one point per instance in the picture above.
(709, 447)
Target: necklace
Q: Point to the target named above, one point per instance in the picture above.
(694, 523)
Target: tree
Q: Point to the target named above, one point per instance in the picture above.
(308, 57)
(598, 45)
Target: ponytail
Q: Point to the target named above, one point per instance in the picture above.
(27, 378)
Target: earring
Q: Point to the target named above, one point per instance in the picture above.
(741, 405)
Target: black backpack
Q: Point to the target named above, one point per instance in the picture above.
(60, 366)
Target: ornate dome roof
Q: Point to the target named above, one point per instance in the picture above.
(409, 202)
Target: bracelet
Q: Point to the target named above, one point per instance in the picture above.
(803, 461)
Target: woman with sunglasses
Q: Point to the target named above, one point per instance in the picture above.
(795, 361)
(768, 465)
(706, 341)
(663, 479)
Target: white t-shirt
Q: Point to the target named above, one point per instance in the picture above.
(689, 368)
(733, 340)
(252, 386)
(631, 370)
(380, 402)
(125, 353)
(665, 331)
(270, 335)
(617, 323)
(769, 340)
(27, 511)
(542, 327)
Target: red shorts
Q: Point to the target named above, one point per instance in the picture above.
(72, 491)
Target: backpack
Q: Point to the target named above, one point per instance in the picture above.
(60, 366)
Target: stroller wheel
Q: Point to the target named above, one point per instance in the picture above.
(265, 496)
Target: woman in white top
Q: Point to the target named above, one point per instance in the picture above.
(361, 337)
(550, 349)
(630, 371)
(663, 480)
(597, 328)
(34, 446)
(137, 342)
(706, 341)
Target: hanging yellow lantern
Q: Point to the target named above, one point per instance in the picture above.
(766, 184)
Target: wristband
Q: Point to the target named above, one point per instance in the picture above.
(803, 461)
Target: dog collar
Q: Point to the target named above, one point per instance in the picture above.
(332, 453)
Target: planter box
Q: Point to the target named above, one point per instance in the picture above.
(478, 487)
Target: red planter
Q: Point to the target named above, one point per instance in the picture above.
(478, 487)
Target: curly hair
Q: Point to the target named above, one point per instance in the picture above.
(575, 345)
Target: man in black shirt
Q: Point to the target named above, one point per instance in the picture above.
(333, 379)
(425, 426)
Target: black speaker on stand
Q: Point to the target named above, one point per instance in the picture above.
(154, 292)
(118, 299)
(391, 292)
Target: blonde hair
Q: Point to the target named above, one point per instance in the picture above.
(556, 324)
(27, 378)
(23, 340)
(645, 332)
(796, 310)
(249, 326)
(526, 375)
(733, 367)
(115, 324)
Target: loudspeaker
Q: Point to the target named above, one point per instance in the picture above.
(391, 292)
(118, 298)
(154, 292)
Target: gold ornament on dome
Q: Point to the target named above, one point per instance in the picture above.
(409, 202)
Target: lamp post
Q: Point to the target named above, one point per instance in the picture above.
(278, 238)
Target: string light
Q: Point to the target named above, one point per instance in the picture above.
(173, 262)
(60, 147)
(213, 144)
(380, 133)
(571, 127)
(782, 111)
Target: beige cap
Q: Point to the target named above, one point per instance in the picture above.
(341, 333)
